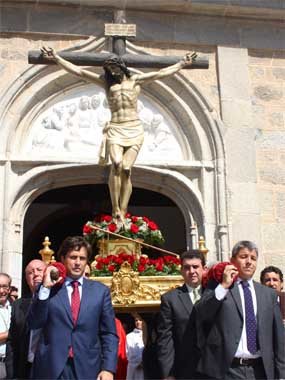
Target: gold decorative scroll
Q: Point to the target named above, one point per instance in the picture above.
(129, 289)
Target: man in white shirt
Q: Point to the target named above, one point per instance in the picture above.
(5, 316)
(176, 345)
(245, 338)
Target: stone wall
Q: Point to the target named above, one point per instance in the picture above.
(14, 53)
(267, 74)
(243, 92)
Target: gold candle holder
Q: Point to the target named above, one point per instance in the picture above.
(46, 252)
(202, 247)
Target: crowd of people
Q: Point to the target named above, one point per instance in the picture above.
(219, 326)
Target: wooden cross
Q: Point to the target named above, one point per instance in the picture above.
(119, 32)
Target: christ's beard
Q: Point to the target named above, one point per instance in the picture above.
(118, 78)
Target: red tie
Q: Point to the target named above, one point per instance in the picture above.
(75, 301)
(75, 306)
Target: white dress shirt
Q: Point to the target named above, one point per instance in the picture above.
(5, 318)
(220, 293)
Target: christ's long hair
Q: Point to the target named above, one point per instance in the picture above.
(116, 62)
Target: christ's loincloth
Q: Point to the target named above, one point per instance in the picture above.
(125, 134)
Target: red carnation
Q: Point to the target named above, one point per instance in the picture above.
(134, 219)
(143, 260)
(87, 229)
(134, 228)
(107, 218)
(131, 259)
(152, 226)
(141, 268)
(99, 265)
(124, 256)
(159, 267)
(145, 219)
(111, 268)
(112, 227)
(119, 260)
(128, 215)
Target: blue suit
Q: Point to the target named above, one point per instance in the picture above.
(93, 339)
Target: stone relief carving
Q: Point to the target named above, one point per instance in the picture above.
(74, 125)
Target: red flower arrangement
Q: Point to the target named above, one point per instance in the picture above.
(136, 227)
(166, 265)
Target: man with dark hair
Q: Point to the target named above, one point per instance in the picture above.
(124, 134)
(79, 338)
(21, 344)
(245, 337)
(176, 344)
(273, 277)
(5, 316)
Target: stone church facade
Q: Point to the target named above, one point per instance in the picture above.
(214, 139)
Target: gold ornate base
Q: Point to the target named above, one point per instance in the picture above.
(129, 290)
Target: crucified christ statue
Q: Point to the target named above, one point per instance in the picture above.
(124, 134)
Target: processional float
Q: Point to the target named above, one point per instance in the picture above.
(131, 286)
(135, 280)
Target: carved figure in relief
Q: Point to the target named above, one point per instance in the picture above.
(50, 134)
(84, 120)
(124, 134)
(161, 134)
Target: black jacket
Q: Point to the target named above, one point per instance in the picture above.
(17, 346)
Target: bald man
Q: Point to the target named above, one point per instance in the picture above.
(20, 351)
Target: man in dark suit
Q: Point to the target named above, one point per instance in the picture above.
(78, 339)
(273, 277)
(176, 344)
(245, 337)
(18, 362)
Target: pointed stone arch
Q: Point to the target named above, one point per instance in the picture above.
(197, 185)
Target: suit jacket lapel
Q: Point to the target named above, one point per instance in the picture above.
(24, 305)
(185, 299)
(259, 304)
(63, 296)
(84, 297)
(236, 297)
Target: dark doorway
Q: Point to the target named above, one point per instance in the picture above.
(63, 212)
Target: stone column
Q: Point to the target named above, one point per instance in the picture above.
(11, 228)
(240, 147)
(2, 195)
